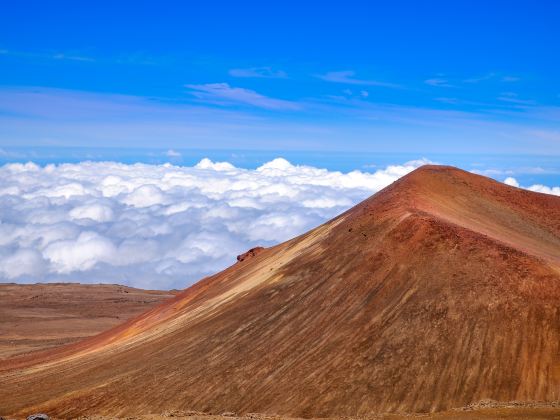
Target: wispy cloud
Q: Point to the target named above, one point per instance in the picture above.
(438, 82)
(492, 76)
(479, 79)
(36, 116)
(259, 72)
(523, 170)
(48, 55)
(61, 56)
(550, 135)
(446, 100)
(513, 98)
(348, 77)
(173, 154)
(129, 58)
(223, 93)
(350, 95)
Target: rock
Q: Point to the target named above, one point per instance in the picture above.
(39, 416)
(250, 254)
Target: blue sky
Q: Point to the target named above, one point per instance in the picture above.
(420, 78)
(313, 105)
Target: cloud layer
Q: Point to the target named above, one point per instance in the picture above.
(161, 226)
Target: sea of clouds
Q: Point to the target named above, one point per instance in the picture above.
(162, 226)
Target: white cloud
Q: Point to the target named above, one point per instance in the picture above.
(81, 254)
(544, 189)
(161, 226)
(173, 153)
(511, 181)
(225, 94)
(96, 212)
(536, 187)
(144, 196)
(217, 166)
(23, 262)
(164, 226)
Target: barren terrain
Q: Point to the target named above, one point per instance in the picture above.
(440, 291)
(41, 316)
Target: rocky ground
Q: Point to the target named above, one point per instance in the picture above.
(484, 410)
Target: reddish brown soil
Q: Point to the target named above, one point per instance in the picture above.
(439, 291)
(40, 316)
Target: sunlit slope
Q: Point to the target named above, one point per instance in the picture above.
(439, 291)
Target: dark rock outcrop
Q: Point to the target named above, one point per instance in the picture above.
(250, 254)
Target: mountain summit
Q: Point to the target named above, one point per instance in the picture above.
(439, 291)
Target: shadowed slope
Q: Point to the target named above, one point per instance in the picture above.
(439, 291)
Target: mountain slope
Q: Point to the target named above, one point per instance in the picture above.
(439, 291)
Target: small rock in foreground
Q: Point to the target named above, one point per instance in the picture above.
(39, 416)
